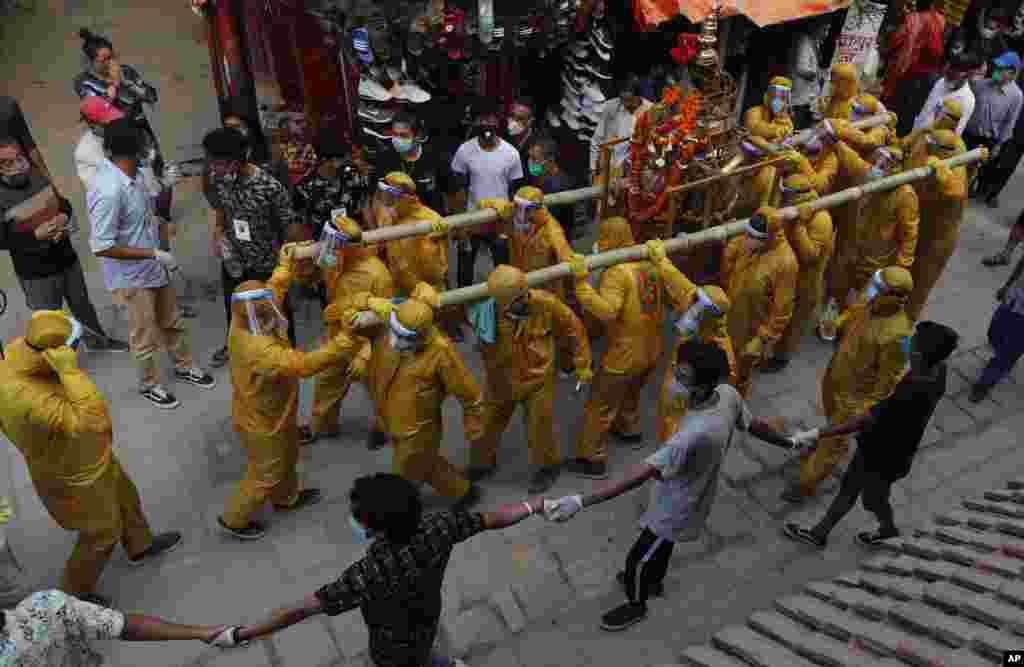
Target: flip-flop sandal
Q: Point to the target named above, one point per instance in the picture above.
(801, 534)
(873, 538)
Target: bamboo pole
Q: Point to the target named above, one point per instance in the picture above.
(721, 233)
(474, 218)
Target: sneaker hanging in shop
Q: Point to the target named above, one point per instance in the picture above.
(593, 92)
(570, 120)
(600, 34)
(361, 44)
(410, 92)
(553, 119)
(372, 113)
(383, 133)
(373, 91)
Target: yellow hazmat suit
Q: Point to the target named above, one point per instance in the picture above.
(818, 161)
(766, 125)
(886, 233)
(810, 236)
(520, 365)
(761, 284)
(54, 414)
(265, 372)
(942, 199)
(419, 258)
(845, 85)
(630, 302)
(865, 141)
(409, 388)
(864, 370)
(712, 327)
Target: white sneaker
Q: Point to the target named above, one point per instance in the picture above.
(553, 119)
(371, 90)
(410, 92)
(594, 93)
(570, 120)
(376, 115)
(383, 135)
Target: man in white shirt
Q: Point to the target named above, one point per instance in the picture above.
(954, 83)
(486, 166)
(97, 112)
(617, 121)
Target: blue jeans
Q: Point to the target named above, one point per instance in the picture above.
(1006, 335)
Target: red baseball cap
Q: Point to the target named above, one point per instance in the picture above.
(99, 110)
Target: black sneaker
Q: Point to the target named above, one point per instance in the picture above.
(197, 377)
(798, 533)
(774, 365)
(96, 599)
(635, 439)
(220, 358)
(793, 494)
(588, 469)
(376, 439)
(307, 436)
(164, 543)
(188, 312)
(624, 616)
(998, 259)
(160, 397)
(477, 473)
(543, 479)
(307, 497)
(657, 588)
(254, 531)
(471, 498)
(875, 538)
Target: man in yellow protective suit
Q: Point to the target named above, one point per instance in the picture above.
(844, 88)
(810, 236)
(947, 119)
(265, 372)
(347, 269)
(630, 303)
(54, 414)
(865, 106)
(871, 358)
(759, 273)
(817, 159)
(413, 369)
(520, 367)
(942, 199)
(886, 231)
(769, 123)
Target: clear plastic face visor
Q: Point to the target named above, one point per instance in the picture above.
(389, 195)
(522, 211)
(402, 339)
(778, 97)
(332, 241)
(264, 318)
(701, 309)
(755, 233)
(885, 160)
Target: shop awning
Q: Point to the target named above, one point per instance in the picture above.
(649, 13)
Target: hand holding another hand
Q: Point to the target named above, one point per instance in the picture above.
(563, 508)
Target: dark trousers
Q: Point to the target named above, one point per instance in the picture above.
(986, 171)
(467, 255)
(646, 565)
(1001, 169)
(51, 292)
(230, 284)
(871, 487)
(802, 116)
(1006, 335)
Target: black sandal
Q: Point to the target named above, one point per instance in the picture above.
(800, 534)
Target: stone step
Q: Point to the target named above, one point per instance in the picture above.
(756, 649)
(855, 599)
(1010, 526)
(707, 656)
(978, 520)
(1015, 484)
(1012, 591)
(965, 657)
(1012, 510)
(966, 536)
(955, 631)
(815, 646)
(903, 589)
(902, 565)
(991, 642)
(947, 596)
(1004, 565)
(994, 612)
(1005, 496)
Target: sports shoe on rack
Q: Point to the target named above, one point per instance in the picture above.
(375, 114)
(553, 119)
(373, 91)
(410, 92)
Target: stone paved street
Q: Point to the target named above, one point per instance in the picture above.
(530, 596)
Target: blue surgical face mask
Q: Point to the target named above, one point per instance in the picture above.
(402, 144)
(358, 530)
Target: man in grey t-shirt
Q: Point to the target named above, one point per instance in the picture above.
(686, 471)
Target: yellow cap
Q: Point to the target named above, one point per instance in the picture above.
(951, 106)
(402, 180)
(944, 142)
(844, 71)
(47, 329)
(781, 81)
(506, 284)
(614, 233)
(348, 227)
(898, 280)
(530, 193)
(415, 315)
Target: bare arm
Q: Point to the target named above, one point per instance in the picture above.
(122, 252)
(762, 431)
(282, 618)
(504, 516)
(634, 476)
(139, 628)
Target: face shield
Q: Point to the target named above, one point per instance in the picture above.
(792, 196)
(875, 287)
(702, 308)
(262, 315)
(885, 162)
(777, 97)
(522, 213)
(332, 242)
(75, 337)
(402, 340)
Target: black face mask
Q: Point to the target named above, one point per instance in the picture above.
(488, 133)
(18, 182)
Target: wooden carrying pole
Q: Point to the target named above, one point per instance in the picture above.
(483, 216)
(721, 233)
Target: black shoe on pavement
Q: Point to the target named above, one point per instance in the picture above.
(624, 616)
(96, 599)
(188, 312)
(196, 376)
(543, 479)
(106, 344)
(376, 440)
(800, 534)
(774, 365)
(1001, 258)
(635, 439)
(978, 393)
(254, 531)
(220, 358)
(477, 473)
(793, 494)
(160, 397)
(471, 498)
(875, 538)
(588, 469)
(306, 498)
(164, 543)
(307, 436)
(657, 588)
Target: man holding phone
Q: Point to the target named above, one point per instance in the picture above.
(34, 228)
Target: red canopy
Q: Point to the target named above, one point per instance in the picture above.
(649, 13)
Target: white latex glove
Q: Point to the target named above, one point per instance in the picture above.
(228, 638)
(364, 319)
(167, 259)
(803, 440)
(562, 509)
